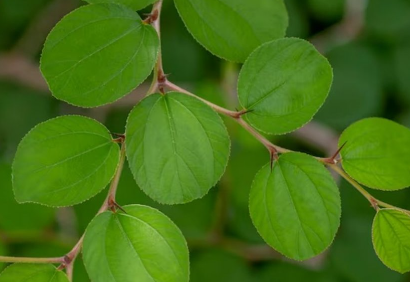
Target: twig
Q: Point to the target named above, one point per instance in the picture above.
(31, 260)
(154, 18)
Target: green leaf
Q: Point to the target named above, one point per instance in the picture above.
(133, 4)
(32, 273)
(391, 238)
(296, 206)
(177, 147)
(283, 84)
(376, 153)
(64, 161)
(20, 218)
(97, 54)
(139, 245)
(232, 29)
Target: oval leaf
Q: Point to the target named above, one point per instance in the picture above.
(97, 54)
(283, 84)
(139, 245)
(133, 4)
(295, 206)
(232, 29)
(391, 239)
(32, 273)
(177, 147)
(376, 153)
(64, 161)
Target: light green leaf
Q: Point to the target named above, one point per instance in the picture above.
(20, 218)
(296, 206)
(232, 29)
(376, 153)
(32, 273)
(391, 239)
(133, 4)
(64, 161)
(97, 54)
(140, 245)
(177, 147)
(283, 84)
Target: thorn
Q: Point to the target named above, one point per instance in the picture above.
(151, 17)
(113, 206)
(333, 159)
(242, 112)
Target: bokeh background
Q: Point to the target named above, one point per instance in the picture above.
(368, 45)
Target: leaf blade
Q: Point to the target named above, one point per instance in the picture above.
(177, 146)
(391, 237)
(32, 273)
(375, 153)
(142, 243)
(233, 29)
(283, 84)
(97, 54)
(277, 201)
(67, 159)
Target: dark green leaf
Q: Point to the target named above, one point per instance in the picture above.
(97, 54)
(140, 245)
(64, 161)
(296, 206)
(232, 29)
(177, 147)
(283, 83)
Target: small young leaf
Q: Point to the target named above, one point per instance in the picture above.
(391, 238)
(97, 54)
(32, 273)
(177, 147)
(232, 29)
(376, 153)
(64, 161)
(295, 206)
(283, 84)
(139, 245)
(133, 4)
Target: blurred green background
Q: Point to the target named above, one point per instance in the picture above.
(368, 45)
